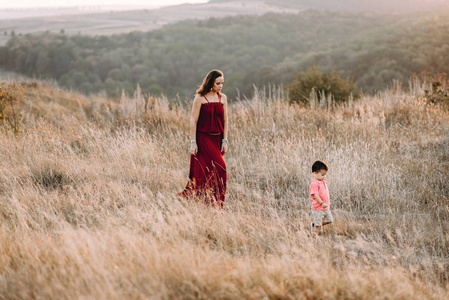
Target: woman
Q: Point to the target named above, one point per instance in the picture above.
(208, 141)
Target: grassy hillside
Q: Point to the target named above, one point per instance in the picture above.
(88, 207)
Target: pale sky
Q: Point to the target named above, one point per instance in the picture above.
(65, 3)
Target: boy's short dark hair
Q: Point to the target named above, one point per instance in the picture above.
(319, 165)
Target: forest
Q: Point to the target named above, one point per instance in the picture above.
(372, 49)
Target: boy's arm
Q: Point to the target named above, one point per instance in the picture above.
(324, 205)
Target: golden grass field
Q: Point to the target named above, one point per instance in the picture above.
(88, 207)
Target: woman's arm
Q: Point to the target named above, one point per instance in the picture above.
(224, 147)
(196, 107)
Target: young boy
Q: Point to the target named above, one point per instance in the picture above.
(321, 215)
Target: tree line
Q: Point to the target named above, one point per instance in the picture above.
(370, 48)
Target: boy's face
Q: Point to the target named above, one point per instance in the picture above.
(319, 175)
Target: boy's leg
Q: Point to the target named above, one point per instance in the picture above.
(317, 216)
(327, 217)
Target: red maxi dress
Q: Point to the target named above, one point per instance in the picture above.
(207, 176)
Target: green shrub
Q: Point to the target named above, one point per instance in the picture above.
(324, 83)
(436, 87)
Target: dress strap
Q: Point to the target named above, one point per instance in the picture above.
(206, 99)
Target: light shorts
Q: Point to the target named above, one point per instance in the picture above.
(320, 216)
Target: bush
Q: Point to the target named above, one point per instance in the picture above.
(10, 110)
(436, 87)
(324, 83)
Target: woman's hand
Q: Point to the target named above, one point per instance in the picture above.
(324, 205)
(224, 148)
(193, 148)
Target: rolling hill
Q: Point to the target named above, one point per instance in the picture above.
(372, 48)
(113, 22)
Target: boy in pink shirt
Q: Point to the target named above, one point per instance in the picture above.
(321, 215)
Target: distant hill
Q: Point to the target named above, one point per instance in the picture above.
(356, 5)
(371, 48)
(113, 22)
(96, 21)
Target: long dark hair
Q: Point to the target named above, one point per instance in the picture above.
(208, 82)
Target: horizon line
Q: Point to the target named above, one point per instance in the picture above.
(100, 6)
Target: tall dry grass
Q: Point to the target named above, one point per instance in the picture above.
(88, 207)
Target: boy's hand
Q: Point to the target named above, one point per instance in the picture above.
(324, 205)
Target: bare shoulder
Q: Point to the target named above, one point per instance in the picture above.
(224, 98)
(198, 100)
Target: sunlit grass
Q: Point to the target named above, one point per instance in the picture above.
(88, 206)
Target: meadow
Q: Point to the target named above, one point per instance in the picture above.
(88, 205)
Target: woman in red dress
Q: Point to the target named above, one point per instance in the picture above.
(208, 142)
